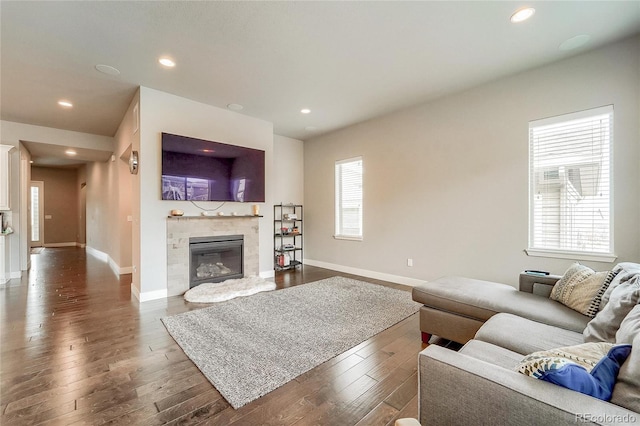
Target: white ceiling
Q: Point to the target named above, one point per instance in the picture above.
(51, 155)
(346, 61)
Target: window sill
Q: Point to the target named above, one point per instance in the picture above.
(348, 238)
(594, 257)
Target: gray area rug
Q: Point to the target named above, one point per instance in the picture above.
(249, 346)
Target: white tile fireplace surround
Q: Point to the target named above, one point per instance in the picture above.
(180, 229)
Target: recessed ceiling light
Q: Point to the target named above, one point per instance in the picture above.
(107, 69)
(30, 161)
(235, 107)
(305, 110)
(522, 14)
(70, 152)
(65, 104)
(574, 42)
(167, 62)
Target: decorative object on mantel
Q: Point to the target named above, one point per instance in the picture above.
(227, 290)
(249, 346)
(213, 216)
(176, 212)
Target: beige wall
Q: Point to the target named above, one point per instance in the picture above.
(60, 204)
(288, 173)
(162, 112)
(135, 201)
(99, 199)
(82, 205)
(446, 182)
(23, 210)
(124, 139)
(109, 200)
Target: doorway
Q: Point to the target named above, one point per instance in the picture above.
(36, 214)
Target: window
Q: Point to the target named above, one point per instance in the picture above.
(349, 199)
(570, 186)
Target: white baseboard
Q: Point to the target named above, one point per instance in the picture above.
(135, 292)
(81, 245)
(267, 274)
(10, 276)
(117, 269)
(70, 244)
(148, 295)
(97, 253)
(365, 273)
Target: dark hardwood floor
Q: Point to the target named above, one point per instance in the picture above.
(77, 350)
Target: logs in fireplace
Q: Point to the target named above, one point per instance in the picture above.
(215, 259)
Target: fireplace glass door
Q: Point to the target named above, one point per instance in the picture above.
(215, 259)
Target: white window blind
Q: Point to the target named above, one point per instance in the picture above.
(570, 184)
(349, 199)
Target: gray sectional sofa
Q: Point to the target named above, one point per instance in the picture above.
(499, 326)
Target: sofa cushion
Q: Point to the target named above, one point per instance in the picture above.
(581, 289)
(481, 300)
(623, 272)
(590, 368)
(626, 392)
(623, 298)
(630, 327)
(524, 336)
(492, 354)
(465, 296)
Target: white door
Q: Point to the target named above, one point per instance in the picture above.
(36, 214)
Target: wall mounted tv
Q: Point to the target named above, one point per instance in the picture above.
(200, 170)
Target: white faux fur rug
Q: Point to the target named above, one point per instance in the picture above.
(229, 289)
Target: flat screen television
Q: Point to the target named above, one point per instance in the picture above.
(201, 170)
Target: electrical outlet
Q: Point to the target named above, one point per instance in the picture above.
(409, 262)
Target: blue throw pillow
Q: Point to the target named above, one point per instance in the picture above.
(599, 383)
(577, 372)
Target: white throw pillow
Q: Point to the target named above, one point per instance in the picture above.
(580, 289)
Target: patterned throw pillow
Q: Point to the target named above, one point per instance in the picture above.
(581, 289)
(590, 368)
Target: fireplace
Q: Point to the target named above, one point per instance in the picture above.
(180, 229)
(215, 259)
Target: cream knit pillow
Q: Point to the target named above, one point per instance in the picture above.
(580, 289)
